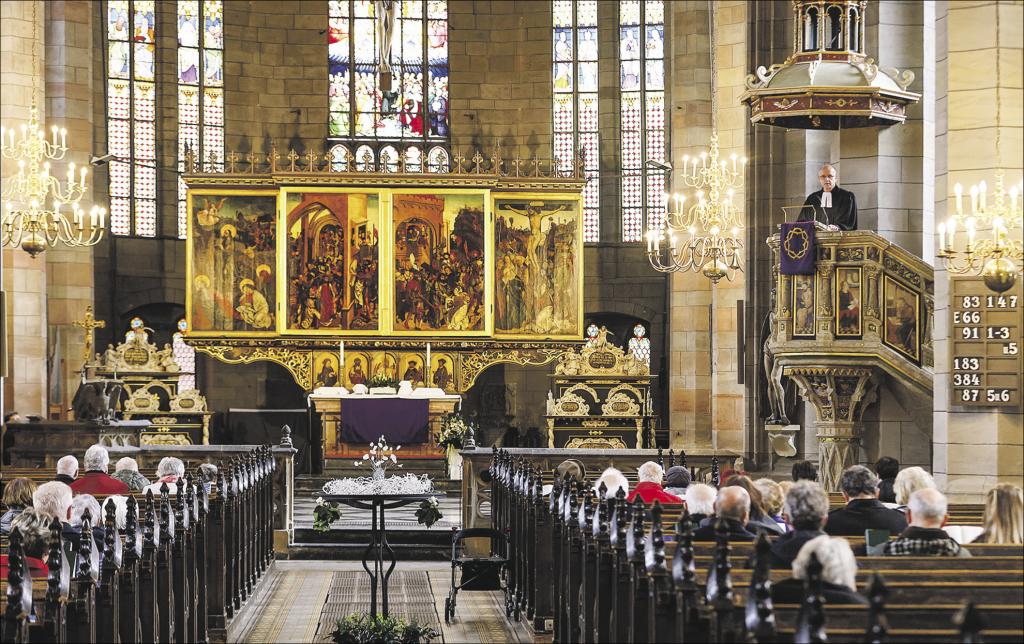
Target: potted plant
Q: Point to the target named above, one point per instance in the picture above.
(454, 431)
(362, 628)
(384, 385)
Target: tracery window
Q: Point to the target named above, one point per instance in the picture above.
(574, 73)
(131, 116)
(642, 86)
(200, 91)
(402, 105)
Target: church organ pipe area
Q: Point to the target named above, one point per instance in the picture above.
(344, 277)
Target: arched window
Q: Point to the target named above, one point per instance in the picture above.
(339, 161)
(575, 80)
(810, 29)
(406, 98)
(388, 159)
(438, 160)
(200, 91)
(642, 85)
(131, 115)
(835, 28)
(365, 158)
(413, 159)
(853, 29)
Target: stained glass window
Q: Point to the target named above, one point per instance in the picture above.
(131, 116)
(200, 90)
(574, 74)
(642, 114)
(381, 95)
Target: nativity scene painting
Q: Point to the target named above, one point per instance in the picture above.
(537, 278)
(233, 265)
(439, 262)
(333, 262)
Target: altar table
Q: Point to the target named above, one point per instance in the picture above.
(332, 414)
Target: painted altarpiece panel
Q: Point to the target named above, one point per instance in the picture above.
(440, 255)
(333, 261)
(537, 267)
(902, 318)
(848, 301)
(232, 262)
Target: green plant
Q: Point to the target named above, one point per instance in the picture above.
(454, 429)
(428, 512)
(363, 629)
(382, 380)
(324, 514)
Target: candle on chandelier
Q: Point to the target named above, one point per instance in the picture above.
(974, 199)
(341, 355)
(942, 237)
(733, 157)
(970, 234)
(93, 216)
(952, 232)
(63, 138)
(53, 132)
(79, 219)
(679, 202)
(664, 201)
(82, 183)
(71, 174)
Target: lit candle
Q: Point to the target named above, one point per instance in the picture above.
(733, 157)
(650, 241)
(664, 201)
(974, 200)
(970, 234)
(942, 237)
(958, 190)
(341, 355)
(84, 171)
(672, 242)
(103, 217)
(63, 138)
(79, 222)
(53, 132)
(93, 216)
(952, 233)
(71, 174)
(428, 355)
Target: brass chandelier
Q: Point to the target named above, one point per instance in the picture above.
(999, 256)
(706, 237)
(40, 210)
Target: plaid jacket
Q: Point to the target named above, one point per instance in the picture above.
(924, 542)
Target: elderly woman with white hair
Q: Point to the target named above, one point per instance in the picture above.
(700, 501)
(67, 469)
(838, 573)
(126, 470)
(613, 481)
(96, 480)
(910, 480)
(53, 499)
(169, 471)
(649, 479)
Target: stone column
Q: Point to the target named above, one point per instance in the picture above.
(839, 396)
(974, 448)
(24, 277)
(69, 271)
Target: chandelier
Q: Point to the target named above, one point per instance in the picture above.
(40, 211)
(704, 238)
(999, 256)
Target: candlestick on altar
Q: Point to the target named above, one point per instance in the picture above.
(341, 356)
(426, 368)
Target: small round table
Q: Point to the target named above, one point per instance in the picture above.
(377, 503)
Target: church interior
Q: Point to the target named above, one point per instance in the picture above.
(512, 320)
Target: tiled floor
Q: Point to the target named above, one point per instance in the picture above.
(291, 608)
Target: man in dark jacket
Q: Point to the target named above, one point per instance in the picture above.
(805, 510)
(733, 507)
(832, 206)
(863, 510)
(67, 469)
(925, 537)
(887, 468)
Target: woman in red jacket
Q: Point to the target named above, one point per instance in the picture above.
(649, 488)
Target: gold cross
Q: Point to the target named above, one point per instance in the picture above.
(88, 324)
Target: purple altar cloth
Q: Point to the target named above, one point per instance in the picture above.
(401, 421)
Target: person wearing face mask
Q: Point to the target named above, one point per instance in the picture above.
(832, 206)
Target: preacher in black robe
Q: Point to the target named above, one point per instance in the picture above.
(840, 209)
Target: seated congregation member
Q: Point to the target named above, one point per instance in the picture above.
(677, 479)
(96, 480)
(81, 504)
(772, 497)
(207, 475)
(17, 497)
(908, 481)
(863, 510)
(126, 470)
(759, 519)
(887, 468)
(805, 510)
(168, 471)
(838, 573)
(35, 542)
(53, 499)
(733, 507)
(648, 487)
(1004, 515)
(613, 479)
(926, 513)
(700, 501)
(67, 469)
(804, 471)
(573, 468)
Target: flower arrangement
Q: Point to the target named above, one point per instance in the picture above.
(380, 456)
(360, 627)
(428, 512)
(324, 514)
(454, 429)
(382, 380)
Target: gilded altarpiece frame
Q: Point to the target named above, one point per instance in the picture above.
(458, 356)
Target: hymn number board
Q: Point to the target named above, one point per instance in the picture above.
(986, 341)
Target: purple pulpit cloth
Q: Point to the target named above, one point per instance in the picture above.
(400, 421)
(796, 251)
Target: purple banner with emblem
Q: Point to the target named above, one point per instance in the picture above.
(797, 248)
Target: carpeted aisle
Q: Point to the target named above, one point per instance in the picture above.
(307, 597)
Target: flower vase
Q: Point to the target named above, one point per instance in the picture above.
(378, 474)
(454, 464)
